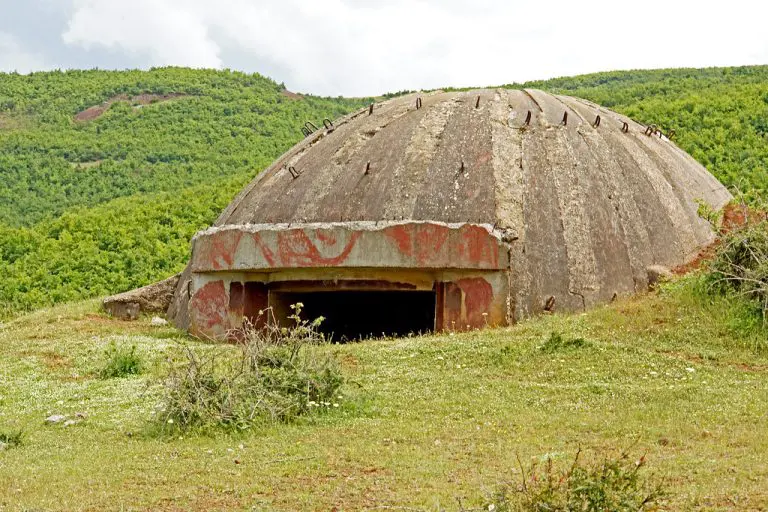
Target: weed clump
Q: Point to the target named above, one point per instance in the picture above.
(121, 361)
(557, 342)
(11, 439)
(277, 375)
(740, 266)
(615, 484)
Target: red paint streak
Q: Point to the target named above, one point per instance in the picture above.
(429, 238)
(223, 248)
(420, 241)
(402, 237)
(478, 296)
(269, 256)
(326, 237)
(295, 248)
(209, 305)
(478, 247)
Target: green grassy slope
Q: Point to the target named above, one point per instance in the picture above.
(94, 206)
(100, 206)
(423, 421)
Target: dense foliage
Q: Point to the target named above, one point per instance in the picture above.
(107, 175)
(93, 204)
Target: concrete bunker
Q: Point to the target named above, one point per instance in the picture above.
(450, 211)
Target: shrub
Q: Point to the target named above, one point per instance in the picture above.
(740, 265)
(557, 342)
(615, 484)
(11, 439)
(277, 375)
(121, 361)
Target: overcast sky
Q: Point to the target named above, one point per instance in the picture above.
(367, 47)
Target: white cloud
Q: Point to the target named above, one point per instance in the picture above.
(15, 58)
(163, 31)
(362, 47)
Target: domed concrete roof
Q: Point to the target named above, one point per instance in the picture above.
(586, 198)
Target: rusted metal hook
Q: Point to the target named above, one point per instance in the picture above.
(370, 109)
(367, 167)
(310, 126)
(564, 122)
(305, 131)
(328, 124)
(651, 129)
(625, 127)
(418, 103)
(597, 122)
(671, 134)
(528, 118)
(294, 173)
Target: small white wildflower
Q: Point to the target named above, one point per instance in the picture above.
(170, 421)
(690, 370)
(654, 373)
(491, 508)
(335, 405)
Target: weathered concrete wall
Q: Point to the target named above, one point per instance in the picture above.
(466, 299)
(348, 245)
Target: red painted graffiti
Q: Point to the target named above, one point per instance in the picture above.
(478, 296)
(295, 248)
(209, 305)
(269, 256)
(477, 247)
(223, 248)
(465, 301)
(420, 241)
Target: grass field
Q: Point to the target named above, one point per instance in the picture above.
(423, 423)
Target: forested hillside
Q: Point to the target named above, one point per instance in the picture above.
(107, 175)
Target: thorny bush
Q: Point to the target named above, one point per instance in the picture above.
(740, 265)
(278, 374)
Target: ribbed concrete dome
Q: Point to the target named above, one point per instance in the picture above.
(585, 198)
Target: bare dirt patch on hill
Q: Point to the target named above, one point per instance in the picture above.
(97, 111)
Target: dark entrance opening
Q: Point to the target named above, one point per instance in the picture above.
(351, 315)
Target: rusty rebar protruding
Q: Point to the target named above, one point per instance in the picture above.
(294, 173)
(367, 167)
(370, 109)
(328, 124)
(625, 127)
(310, 126)
(477, 103)
(528, 118)
(305, 131)
(564, 122)
(651, 129)
(597, 121)
(671, 134)
(418, 103)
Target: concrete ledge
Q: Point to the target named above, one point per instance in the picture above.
(416, 245)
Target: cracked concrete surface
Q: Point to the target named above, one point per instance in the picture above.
(583, 211)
